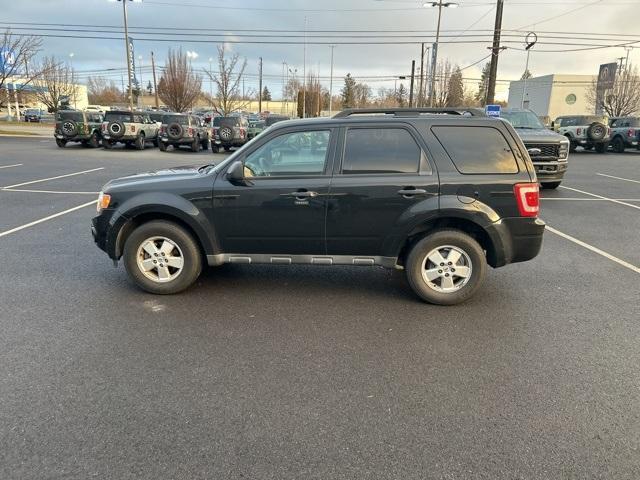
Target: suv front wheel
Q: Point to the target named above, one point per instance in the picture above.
(161, 257)
(446, 267)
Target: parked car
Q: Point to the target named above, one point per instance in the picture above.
(429, 191)
(625, 133)
(78, 126)
(549, 151)
(587, 131)
(129, 128)
(157, 117)
(228, 132)
(33, 115)
(256, 127)
(273, 119)
(180, 129)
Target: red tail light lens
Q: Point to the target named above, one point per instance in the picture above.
(528, 198)
(242, 132)
(190, 132)
(632, 132)
(579, 131)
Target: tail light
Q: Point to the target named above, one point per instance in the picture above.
(190, 132)
(161, 130)
(528, 198)
(631, 133)
(579, 131)
(609, 131)
(242, 132)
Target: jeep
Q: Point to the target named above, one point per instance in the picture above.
(586, 131)
(228, 132)
(625, 133)
(256, 127)
(180, 129)
(429, 191)
(78, 126)
(548, 150)
(130, 128)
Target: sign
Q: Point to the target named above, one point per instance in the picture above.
(7, 59)
(606, 81)
(132, 65)
(493, 110)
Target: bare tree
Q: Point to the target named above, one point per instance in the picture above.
(441, 87)
(179, 86)
(228, 79)
(362, 93)
(18, 53)
(103, 92)
(292, 88)
(56, 85)
(620, 101)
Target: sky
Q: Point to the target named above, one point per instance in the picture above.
(373, 63)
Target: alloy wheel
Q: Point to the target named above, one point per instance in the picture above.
(446, 269)
(160, 259)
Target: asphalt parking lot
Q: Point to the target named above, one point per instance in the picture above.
(266, 372)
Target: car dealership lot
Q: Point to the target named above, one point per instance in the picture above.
(308, 372)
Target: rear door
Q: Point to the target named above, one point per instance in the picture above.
(383, 171)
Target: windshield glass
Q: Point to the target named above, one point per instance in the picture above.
(233, 121)
(180, 119)
(75, 116)
(522, 119)
(156, 117)
(117, 117)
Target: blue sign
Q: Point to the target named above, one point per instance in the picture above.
(7, 59)
(493, 110)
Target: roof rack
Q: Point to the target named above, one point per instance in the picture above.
(410, 112)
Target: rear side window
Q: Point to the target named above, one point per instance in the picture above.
(380, 150)
(477, 150)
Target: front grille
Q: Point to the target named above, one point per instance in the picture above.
(549, 152)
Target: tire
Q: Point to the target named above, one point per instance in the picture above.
(107, 145)
(227, 149)
(618, 145)
(434, 245)
(572, 145)
(215, 148)
(94, 141)
(597, 132)
(550, 185)
(601, 147)
(116, 129)
(195, 144)
(225, 133)
(205, 144)
(69, 128)
(175, 131)
(156, 142)
(140, 141)
(61, 143)
(162, 146)
(181, 244)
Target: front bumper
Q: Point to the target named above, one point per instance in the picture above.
(550, 170)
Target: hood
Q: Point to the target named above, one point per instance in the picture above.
(539, 135)
(174, 173)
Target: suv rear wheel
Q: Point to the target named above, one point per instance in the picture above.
(601, 147)
(161, 257)
(618, 145)
(61, 142)
(195, 144)
(140, 141)
(446, 267)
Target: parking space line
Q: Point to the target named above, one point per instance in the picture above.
(600, 196)
(573, 199)
(54, 178)
(9, 166)
(594, 249)
(47, 191)
(618, 178)
(50, 217)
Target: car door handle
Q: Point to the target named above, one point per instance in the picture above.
(409, 192)
(304, 194)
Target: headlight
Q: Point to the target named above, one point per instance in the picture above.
(564, 150)
(104, 199)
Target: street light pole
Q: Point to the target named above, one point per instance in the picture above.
(331, 83)
(211, 82)
(126, 43)
(75, 104)
(434, 65)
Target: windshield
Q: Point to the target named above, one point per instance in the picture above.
(180, 119)
(233, 121)
(75, 116)
(117, 117)
(523, 119)
(156, 117)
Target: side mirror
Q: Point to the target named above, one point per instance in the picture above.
(235, 174)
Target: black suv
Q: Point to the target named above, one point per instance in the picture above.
(425, 190)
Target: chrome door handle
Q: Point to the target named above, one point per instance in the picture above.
(304, 194)
(409, 192)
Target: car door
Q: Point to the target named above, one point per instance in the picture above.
(280, 205)
(383, 172)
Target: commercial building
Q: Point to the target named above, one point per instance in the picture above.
(553, 95)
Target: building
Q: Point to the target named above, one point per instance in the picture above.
(553, 95)
(24, 95)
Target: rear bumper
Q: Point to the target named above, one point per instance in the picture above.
(515, 240)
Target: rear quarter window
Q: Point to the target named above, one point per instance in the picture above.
(477, 150)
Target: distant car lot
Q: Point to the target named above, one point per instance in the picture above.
(260, 372)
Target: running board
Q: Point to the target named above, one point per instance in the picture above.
(388, 262)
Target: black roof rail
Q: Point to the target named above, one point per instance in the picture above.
(410, 112)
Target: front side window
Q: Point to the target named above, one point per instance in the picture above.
(380, 150)
(290, 154)
(477, 150)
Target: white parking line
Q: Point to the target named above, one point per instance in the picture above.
(618, 178)
(572, 199)
(54, 178)
(601, 197)
(9, 166)
(594, 249)
(36, 222)
(47, 191)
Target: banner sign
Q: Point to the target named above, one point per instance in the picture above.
(132, 57)
(606, 81)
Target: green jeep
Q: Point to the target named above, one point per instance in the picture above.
(78, 126)
(255, 128)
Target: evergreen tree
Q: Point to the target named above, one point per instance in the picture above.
(349, 92)
(401, 95)
(526, 75)
(266, 94)
(455, 92)
(483, 86)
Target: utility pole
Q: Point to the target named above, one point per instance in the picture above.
(495, 51)
(304, 73)
(155, 85)
(426, 78)
(331, 83)
(282, 105)
(413, 71)
(626, 63)
(621, 60)
(419, 102)
(260, 88)
(126, 43)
